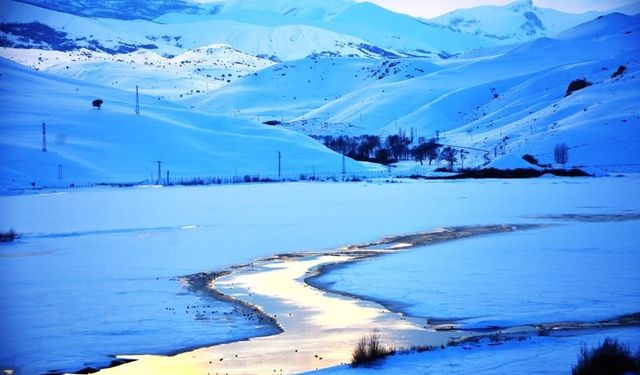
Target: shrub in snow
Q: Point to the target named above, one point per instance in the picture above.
(561, 153)
(530, 159)
(272, 122)
(611, 358)
(369, 349)
(621, 69)
(576, 85)
(97, 103)
(8, 236)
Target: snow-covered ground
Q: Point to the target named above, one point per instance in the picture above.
(82, 281)
(537, 355)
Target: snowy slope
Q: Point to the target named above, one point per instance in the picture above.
(503, 100)
(115, 145)
(191, 73)
(515, 22)
(291, 10)
(400, 32)
(289, 90)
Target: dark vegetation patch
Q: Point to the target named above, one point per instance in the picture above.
(8, 236)
(506, 173)
(530, 159)
(368, 350)
(34, 34)
(610, 357)
(39, 35)
(621, 69)
(577, 84)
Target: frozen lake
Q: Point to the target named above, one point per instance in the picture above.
(96, 272)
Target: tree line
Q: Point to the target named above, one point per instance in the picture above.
(392, 149)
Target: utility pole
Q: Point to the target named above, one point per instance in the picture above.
(44, 137)
(168, 177)
(159, 172)
(462, 156)
(279, 163)
(137, 101)
(59, 171)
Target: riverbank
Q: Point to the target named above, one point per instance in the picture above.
(320, 323)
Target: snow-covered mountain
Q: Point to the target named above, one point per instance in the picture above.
(508, 100)
(27, 26)
(515, 22)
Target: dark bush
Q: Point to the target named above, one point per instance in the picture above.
(97, 103)
(8, 236)
(272, 122)
(610, 358)
(576, 85)
(621, 69)
(442, 169)
(369, 349)
(515, 173)
(530, 159)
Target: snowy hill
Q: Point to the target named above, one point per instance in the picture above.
(191, 73)
(114, 145)
(290, 90)
(516, 22)
(505, 101)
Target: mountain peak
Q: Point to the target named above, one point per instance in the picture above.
(515, 22)
(522, 6)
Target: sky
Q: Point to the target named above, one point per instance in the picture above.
(433, 8)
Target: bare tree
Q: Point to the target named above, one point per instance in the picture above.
(428, 150)
(398, 146)
(448, 154)
(561, 153)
